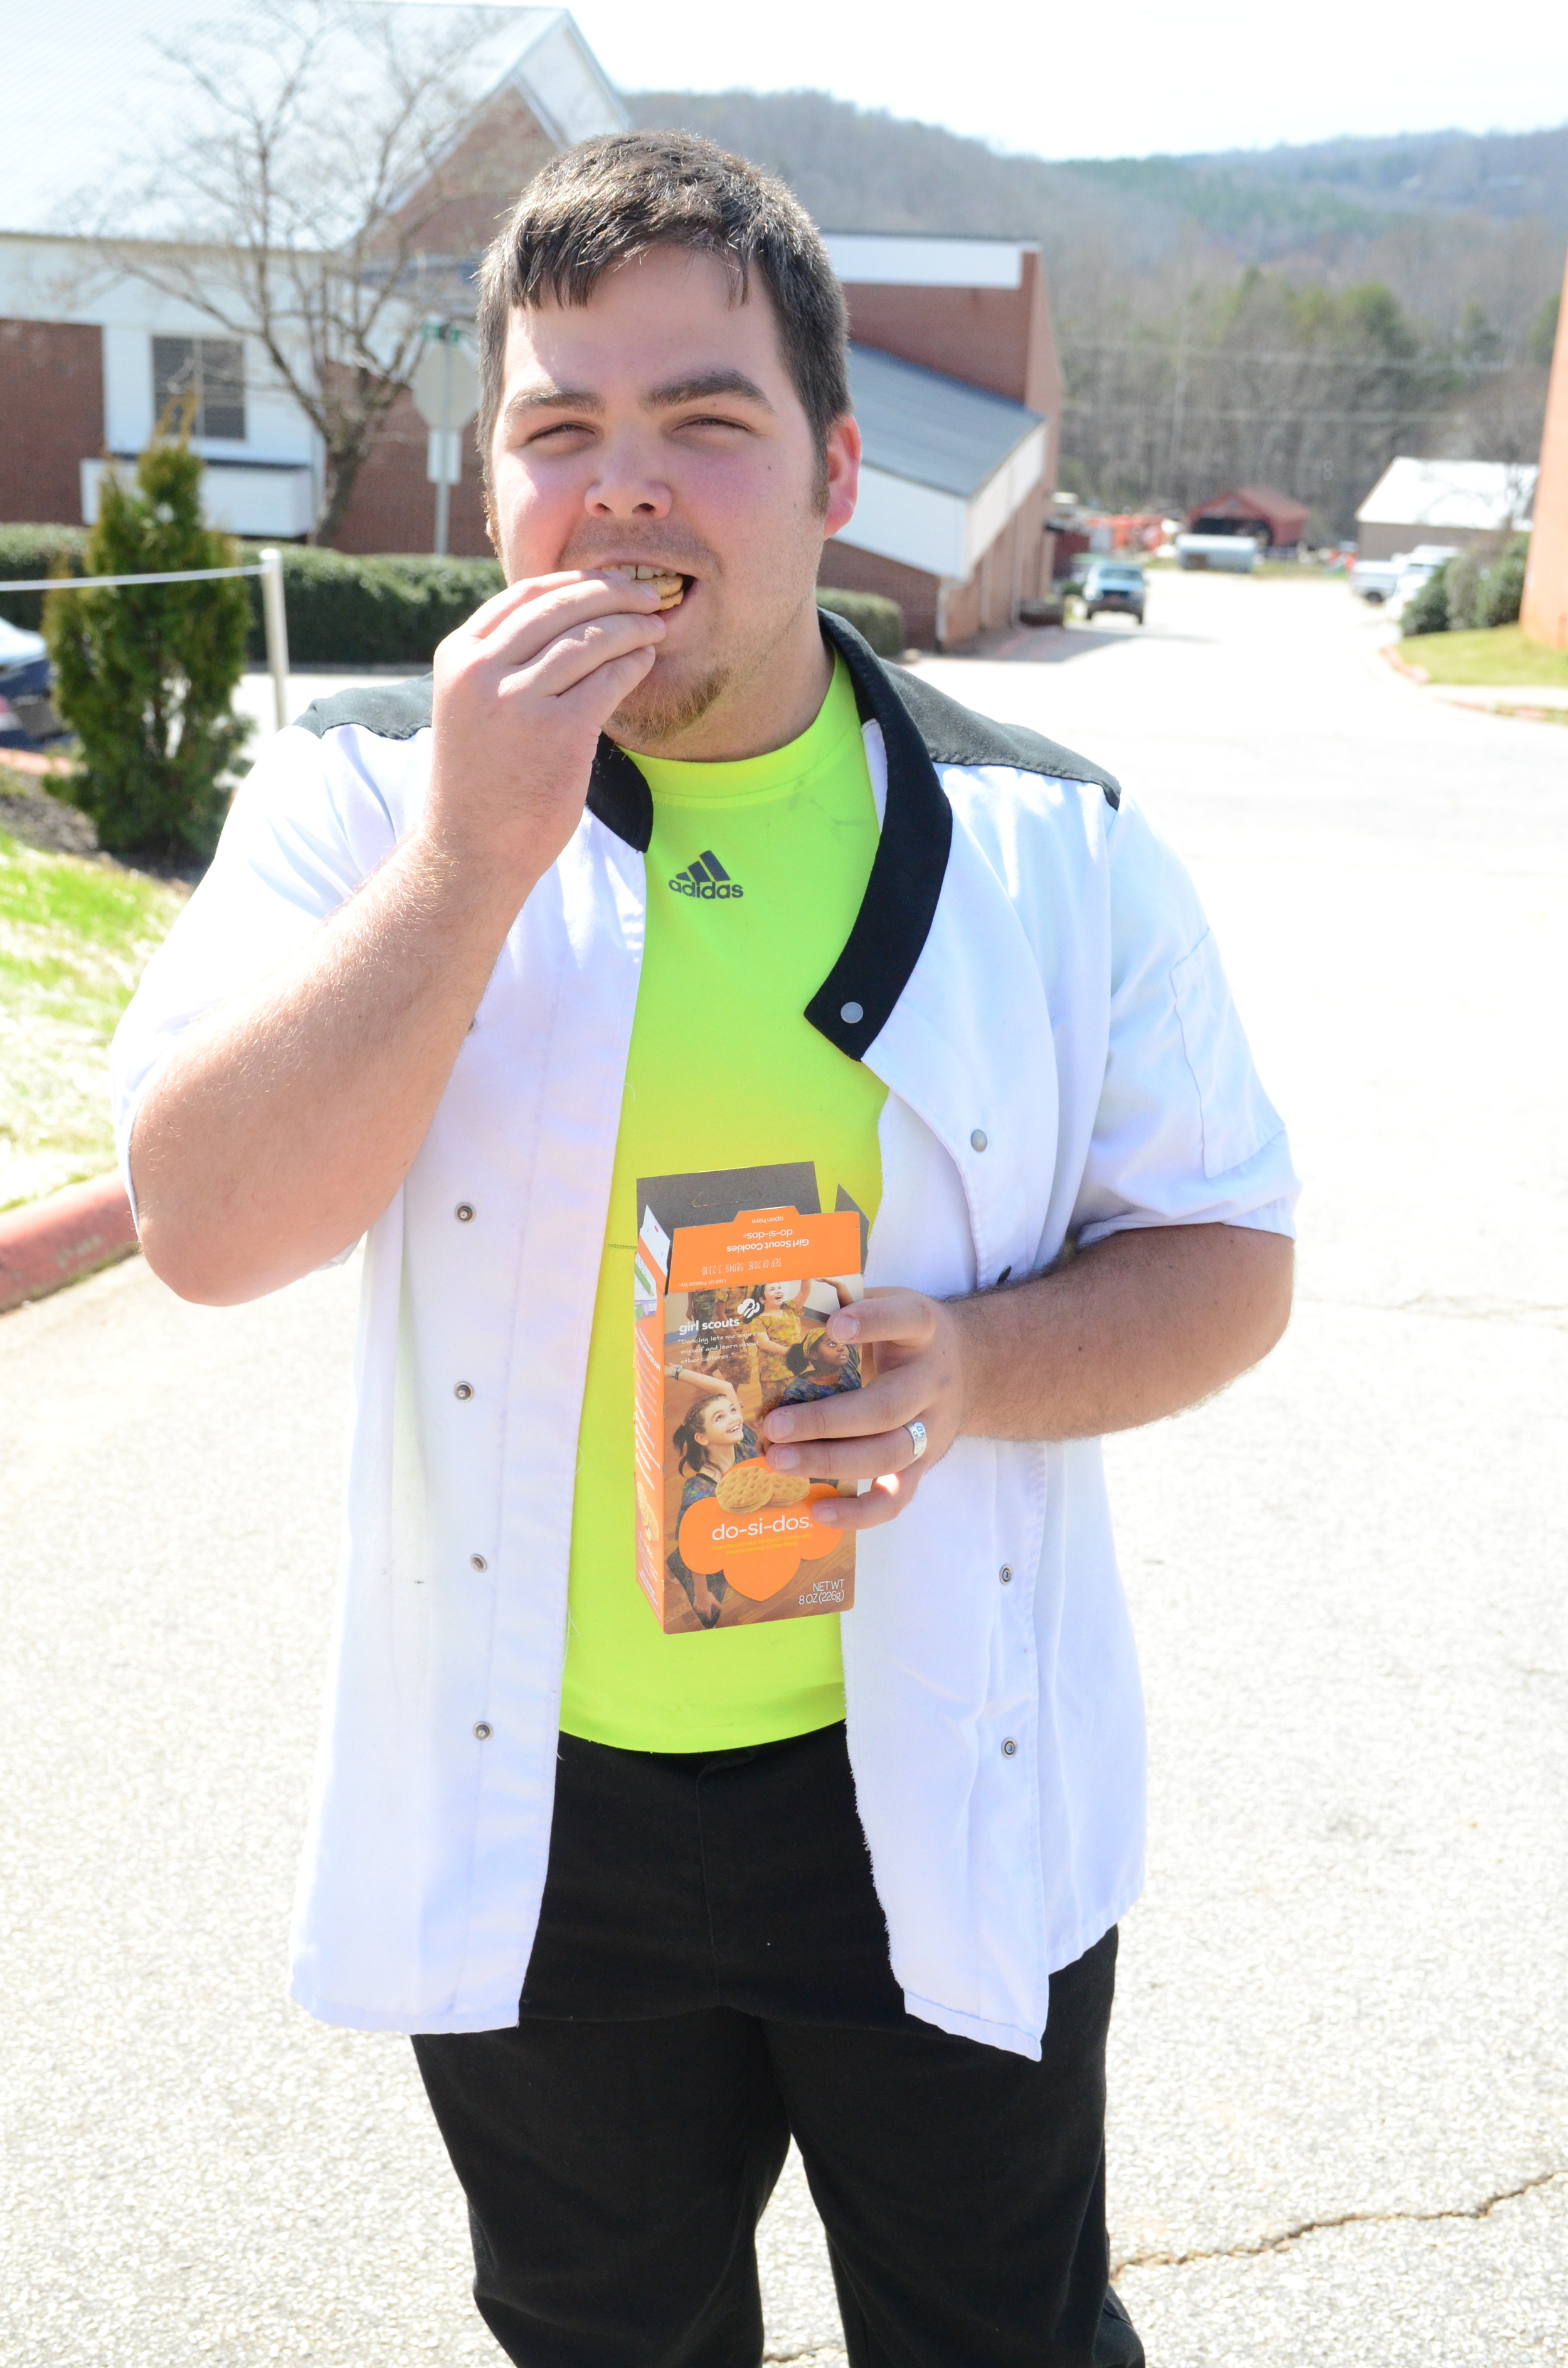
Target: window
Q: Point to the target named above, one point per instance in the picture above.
(210, 369)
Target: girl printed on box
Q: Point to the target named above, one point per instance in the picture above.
(775, 1330)
(821, 1367)
(713, 1435)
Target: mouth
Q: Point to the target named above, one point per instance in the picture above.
(671, 586)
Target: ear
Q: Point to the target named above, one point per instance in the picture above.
(843, 474)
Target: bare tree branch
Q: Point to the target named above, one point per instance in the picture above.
(321, 143)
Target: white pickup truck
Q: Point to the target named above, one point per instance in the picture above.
(1378, 580)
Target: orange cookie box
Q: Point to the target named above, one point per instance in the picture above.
(722, 1541)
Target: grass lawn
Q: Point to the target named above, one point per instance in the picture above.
(1496, 657)
(75, 934)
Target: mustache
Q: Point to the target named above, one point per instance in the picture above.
(670, 547)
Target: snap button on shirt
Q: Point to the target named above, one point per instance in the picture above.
(1008, 1748)
(483, 1732)
(1005, 1574)
(850, 1012)
(463, 1389)
(978, 1140)
(463, 1212)
(477, 1562)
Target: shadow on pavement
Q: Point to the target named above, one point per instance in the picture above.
(1055, 644)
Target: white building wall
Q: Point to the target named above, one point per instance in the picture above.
(60, 280)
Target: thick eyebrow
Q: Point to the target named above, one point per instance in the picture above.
(658, 398)
(553, 398)
(706, 383)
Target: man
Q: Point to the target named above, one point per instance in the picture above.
(651, 1903)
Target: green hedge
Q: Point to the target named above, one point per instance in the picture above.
(1464, 594)
(36, 551)
(871, 613)
(348, 611)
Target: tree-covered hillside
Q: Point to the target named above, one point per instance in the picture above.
(1297, 314)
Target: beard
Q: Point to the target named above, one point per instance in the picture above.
(657, 713)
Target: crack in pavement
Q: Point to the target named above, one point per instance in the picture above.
(1300, 2229)
(1544, 1313)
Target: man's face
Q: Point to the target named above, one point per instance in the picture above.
(657, 424)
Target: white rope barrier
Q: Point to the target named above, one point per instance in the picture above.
(273, 615)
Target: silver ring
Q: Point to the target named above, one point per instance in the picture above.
(918, 1433)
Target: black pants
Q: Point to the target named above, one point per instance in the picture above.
(710, 1976)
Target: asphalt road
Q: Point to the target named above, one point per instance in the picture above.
(1340, 2076)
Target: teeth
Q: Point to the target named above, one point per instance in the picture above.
(672, 587)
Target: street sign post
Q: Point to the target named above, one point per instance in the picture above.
(445, 387)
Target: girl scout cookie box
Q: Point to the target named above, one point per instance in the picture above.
(729, 1310)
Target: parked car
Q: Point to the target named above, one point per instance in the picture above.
(1116, 585)
(1377, 580)
(27, 715)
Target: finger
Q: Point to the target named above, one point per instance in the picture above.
(882, 1404)
(846, 1459)
(884, 1500)
(494, 614)
(574, 656)
(528, 631)
(597, 696)
(886, 1314)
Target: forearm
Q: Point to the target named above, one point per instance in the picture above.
(1143, 1324)
(280, 1130)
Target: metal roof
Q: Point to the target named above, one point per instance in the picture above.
(91, 93)
(1487, 494)
(933, 431)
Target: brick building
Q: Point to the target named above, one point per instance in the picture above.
(953, 367)
(958, 392)
(88, 357)
(1545, 612)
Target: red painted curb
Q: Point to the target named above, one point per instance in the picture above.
(56, 1241)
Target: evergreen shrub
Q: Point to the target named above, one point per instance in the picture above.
(1502, 588)
(1426, 612)
(1461, 584)
(145, 676)
(344, 610)
(38, 552)
(872, 614)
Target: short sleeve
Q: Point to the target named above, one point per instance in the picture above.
(1184, 1133)
(305, 829)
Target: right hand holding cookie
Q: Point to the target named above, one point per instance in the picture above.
(523, 690)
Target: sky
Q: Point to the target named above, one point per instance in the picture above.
(1136, 78)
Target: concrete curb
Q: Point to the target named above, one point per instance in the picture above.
(56, 1241)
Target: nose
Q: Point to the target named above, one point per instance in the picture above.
(628, 484)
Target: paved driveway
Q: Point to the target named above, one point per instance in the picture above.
(1340, 2081)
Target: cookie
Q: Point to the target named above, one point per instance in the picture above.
(670, 588)
(745, 1488)
(791, 1489)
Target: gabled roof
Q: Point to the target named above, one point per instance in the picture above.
(1479, 494)
(1283, 512)
(87, 90)
(929, 429)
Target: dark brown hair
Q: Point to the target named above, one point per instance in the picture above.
(607, 200)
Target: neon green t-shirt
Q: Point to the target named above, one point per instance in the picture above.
(724, 1071)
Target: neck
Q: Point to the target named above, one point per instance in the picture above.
(757, 711)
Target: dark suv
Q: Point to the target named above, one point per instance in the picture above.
(1116, 585)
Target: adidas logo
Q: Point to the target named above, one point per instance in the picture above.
(706, 878)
